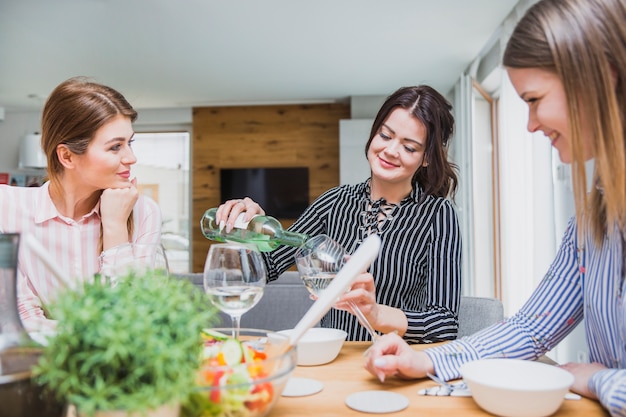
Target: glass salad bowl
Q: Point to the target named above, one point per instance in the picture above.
(241, 377)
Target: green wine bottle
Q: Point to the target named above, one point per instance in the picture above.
(263, 231)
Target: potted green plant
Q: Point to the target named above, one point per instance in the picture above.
(130, 348)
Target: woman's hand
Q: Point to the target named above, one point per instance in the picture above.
(228, 212)
(582, 374)
(363, 294)
(392, 356)
(383, 318)
(116, 204)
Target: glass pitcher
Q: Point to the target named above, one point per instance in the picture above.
(19, 395)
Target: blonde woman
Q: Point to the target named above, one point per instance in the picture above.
(567, 60)
(90, 205)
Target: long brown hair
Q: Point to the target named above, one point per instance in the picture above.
(438, 178)
(584, 43)
(73, 113)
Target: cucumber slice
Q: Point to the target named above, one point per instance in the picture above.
(210, 334)
(233, 351)
(248, 354)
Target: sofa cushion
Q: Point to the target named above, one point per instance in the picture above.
(283, 304)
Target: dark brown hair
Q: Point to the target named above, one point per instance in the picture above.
(434, 112)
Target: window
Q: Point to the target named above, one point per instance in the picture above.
(162, 172)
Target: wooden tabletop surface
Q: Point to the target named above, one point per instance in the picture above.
(346, 375)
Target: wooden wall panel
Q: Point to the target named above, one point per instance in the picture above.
(261, 136)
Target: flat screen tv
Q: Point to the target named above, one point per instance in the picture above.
(282, 192)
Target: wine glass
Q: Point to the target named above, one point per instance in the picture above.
(134, 258)
(234, 278)
(318, 261)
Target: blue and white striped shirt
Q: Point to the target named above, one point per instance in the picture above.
(580, 285)
(418, 269)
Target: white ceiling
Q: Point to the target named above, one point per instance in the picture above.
(184, 53)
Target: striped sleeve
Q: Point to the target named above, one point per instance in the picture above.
(610, 388)
(147, 218)
(438, 319)
(553, 311)
(311, 222)
(147, 229)
(74, 244)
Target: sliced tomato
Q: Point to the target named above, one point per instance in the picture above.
(259, 356)
(215, 385)
(263, 394)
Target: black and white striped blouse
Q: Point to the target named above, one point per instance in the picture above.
(419, 266)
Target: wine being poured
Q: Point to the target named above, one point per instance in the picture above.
(265, 232)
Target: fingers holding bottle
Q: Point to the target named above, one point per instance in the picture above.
(229, 211)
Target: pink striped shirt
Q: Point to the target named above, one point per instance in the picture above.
(73, 244)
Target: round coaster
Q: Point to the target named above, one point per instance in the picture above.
(300, 387)
(377, 402)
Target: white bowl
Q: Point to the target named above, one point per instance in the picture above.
(516, 388)
(319, 345)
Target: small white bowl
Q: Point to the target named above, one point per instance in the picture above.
(319, 345)
(516, 388)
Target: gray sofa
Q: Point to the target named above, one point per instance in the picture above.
(283, 304)
(285, 301)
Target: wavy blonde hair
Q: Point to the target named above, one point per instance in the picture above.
(584, 43)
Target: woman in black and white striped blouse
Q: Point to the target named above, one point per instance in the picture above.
(413, 287)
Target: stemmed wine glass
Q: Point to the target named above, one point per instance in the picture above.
(234, 278)
(134, 258)
(318, 261)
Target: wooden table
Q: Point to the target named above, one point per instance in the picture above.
(346, 375)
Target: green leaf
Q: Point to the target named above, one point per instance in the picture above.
(131, 347)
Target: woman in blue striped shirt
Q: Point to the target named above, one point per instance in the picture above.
(567, 60)
(413, 287)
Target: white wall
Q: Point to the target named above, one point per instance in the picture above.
(353, 165)
(163, 168)
(353, 135)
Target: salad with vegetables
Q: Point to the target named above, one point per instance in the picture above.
(230, 380)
